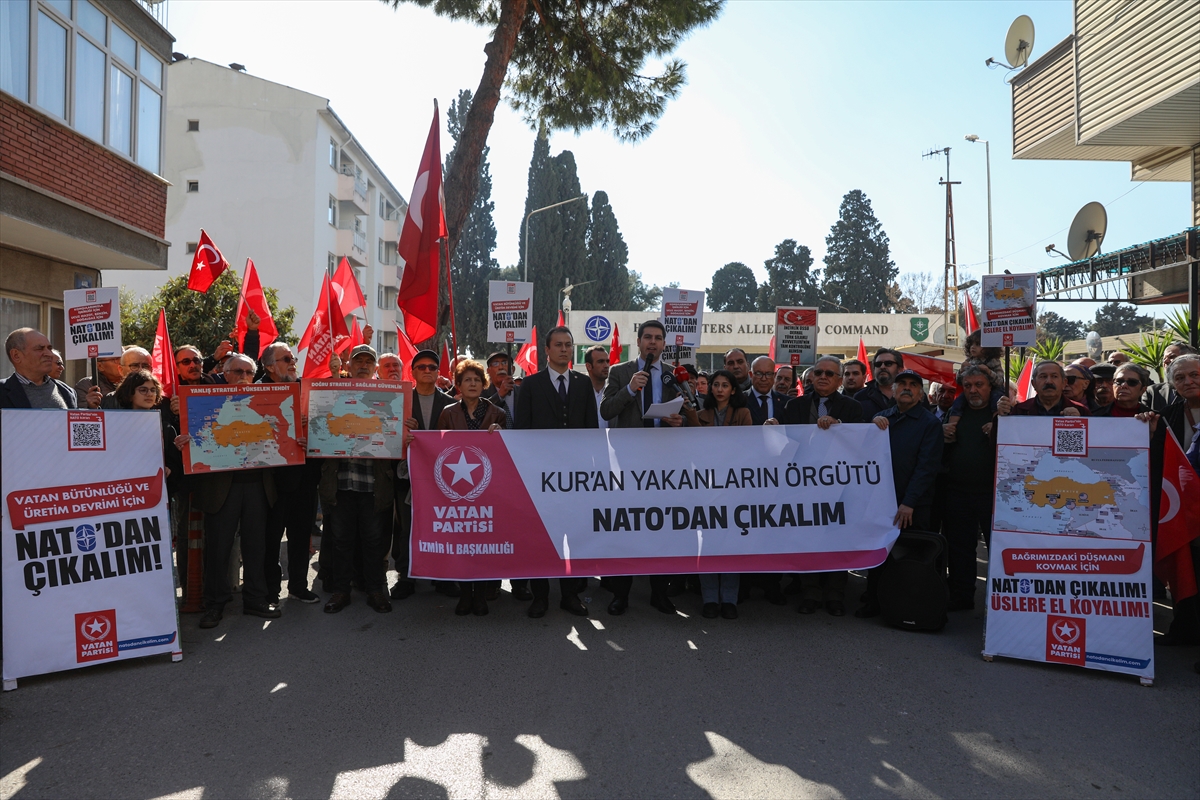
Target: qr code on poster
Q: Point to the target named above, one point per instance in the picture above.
(1070, 437)
(85, 430)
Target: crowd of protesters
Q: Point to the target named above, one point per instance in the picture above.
(942, 440)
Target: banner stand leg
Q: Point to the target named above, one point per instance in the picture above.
(1147, 681)
(177, 655)
(10, 685)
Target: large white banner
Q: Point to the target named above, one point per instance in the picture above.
(510, 311)
(1069, 573)
(93, 323)
(87, 540)
(785, 498)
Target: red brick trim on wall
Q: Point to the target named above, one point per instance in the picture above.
(44, 152)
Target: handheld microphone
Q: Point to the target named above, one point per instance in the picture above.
(682, 380)
(649, 364)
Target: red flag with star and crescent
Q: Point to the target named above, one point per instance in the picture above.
(614, 350)
(972, 320)
(254, 299)
(862, 356)
(424, 225)
(407, 351)
(207, 264)
(346, 289)
(527, 356)
(1179, 521)
(162, 358)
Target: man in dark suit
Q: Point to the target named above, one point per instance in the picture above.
(762, 399)
(427, 404)
(553, 398)
(825, 407)
(30, 385)
(631, 389)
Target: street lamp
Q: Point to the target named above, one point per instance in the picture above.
(538, 211)
(987, 151)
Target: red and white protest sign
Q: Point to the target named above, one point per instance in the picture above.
(683, 317)
(93, 323)
(86, 543)
(795, 336)
(517, 504)
(1009, 307)
(510, 311)
(1069, 579)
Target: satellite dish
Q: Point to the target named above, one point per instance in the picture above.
(1087, 232)
(1019, 42)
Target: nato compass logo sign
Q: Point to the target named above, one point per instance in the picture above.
(85, 538)
(597, 328)
(464, 477)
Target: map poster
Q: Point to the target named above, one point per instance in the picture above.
(86, 538)
(510, 311)
(240, 427)
(682, 316)
(93, 322)
(1069, 567)
(1008, 306)
(356, 418)
(795, 336)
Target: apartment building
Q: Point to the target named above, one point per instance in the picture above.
(83, 85)
(272, 173)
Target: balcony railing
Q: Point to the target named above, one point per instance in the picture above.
(360, 183)
(360, 240)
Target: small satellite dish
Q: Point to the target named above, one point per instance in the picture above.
(1087, 232)
(1019, 42)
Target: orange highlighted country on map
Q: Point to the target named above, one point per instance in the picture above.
(350, 425)
(1057, 492)
(238, 433)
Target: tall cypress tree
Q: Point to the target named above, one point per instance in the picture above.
(791, 280)
(858, 265)
(472, 264)
(609, 258)
(557, 245)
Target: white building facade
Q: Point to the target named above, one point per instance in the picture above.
(271, 173)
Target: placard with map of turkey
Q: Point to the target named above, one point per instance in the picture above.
(240, 427)
(356, 418)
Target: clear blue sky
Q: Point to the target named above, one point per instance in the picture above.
(789, 106)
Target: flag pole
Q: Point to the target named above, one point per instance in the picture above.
(450, 293)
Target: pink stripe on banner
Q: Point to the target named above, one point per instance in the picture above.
(686, 565)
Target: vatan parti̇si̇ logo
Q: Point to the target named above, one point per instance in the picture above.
(472, 468)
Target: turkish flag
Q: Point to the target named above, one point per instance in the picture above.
(527, 356)
(346, 289)
(355, 338)
(972, 320)
(447, 364)
(162, 359)
(862, 356)
(1179, 521)
(1024, 381)
(771, 348)
(253, 299)
(424, 225)
(614, 350)
(326, 330)
(938, 370)
(407, 351)
(207, 264)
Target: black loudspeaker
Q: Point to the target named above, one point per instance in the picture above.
(912, 584)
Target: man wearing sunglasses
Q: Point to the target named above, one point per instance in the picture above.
(428, 402)
(295, 508)
(1048, 380)
(824, 407)
(877, 396)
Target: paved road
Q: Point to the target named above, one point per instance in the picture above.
(420, 703)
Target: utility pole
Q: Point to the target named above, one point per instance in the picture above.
(950, 275)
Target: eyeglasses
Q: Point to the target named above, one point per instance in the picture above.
(239, 372)
(1127, 382)
(149, 391)
(425, 367)
(823, 373)
(1072, 378)
(888, 363)
(764, 374)
(287, 359)
(187, 362)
